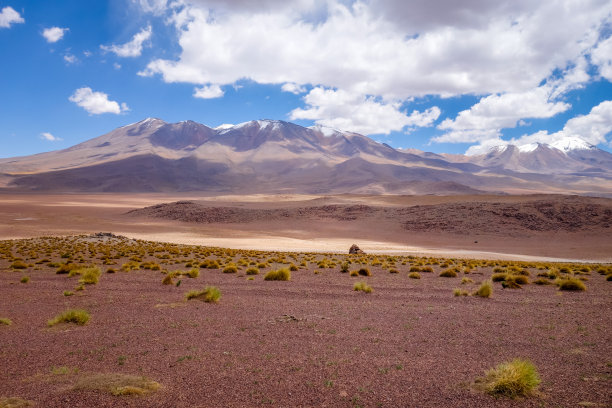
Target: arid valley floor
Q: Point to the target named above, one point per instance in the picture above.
(312, 340)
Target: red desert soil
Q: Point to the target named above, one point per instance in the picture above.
(310, 341)
(482, 226)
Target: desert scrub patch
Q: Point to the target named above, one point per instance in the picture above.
(542, 281)
(393, 270)
(354, 273)
(167, 280)
(282, 274)
(363, 287)
(251, 270)
(570, 283)
(25, 279)
(460, 292)
(76, 316)
(66, 268)
(449, 273)
(499, 277)
(15, 402)
(364, 271)
(193, 273)
(210, 294)
(516, 378)
(18, 265)
(68, 293)
(117, 384)
(485, 290)
(89, 276)
(231, 268)
(5, 321)
(466, 281)
(414, 275)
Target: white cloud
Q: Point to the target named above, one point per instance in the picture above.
(96, 102)
(49, 137)
(208, 92)
(70, 59)
(9, 16)
(54, 34)
(485, 119)
(293, 88)
(594, 128)
(602, 57)
(132, 48)
(116, 66)
(357, 113)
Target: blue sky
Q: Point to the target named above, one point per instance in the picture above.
(439, 75)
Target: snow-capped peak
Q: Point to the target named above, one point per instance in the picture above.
(569, 143)
(146, 122)
(326, 131)
(529, 147)
(224, 126)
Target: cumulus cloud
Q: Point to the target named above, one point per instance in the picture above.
(594, 128)
(208, 92)
(602, 57)
(49, 137)
(293, 88)
(9, 16)
(354, 112)
(491, 114)
(54, 34)
(96, 102)
(132, 48)
(70, 58)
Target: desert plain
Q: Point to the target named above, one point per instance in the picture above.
(312, 340)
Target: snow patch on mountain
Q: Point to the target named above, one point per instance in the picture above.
(569, 143)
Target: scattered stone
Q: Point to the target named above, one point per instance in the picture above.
(355, 250)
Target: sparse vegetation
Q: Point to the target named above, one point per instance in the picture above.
(25, 279)
(517, 378)
(449, 273)
(5, 321)
(570, 283)
(485, 290)
(15, 402)
(89, 276)
(117, 384)
(282, 274)
(76, 316)
(252, 270)
(210, 294)
(363, 287)
(364, 271)
(460, 292)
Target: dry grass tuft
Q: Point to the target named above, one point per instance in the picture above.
(280, 275)
(210, 294)
(15, 402)
(570, 284)
(5, 321)
(363, 287)
(89, 276)
(414, 275)
(485, 290)
(76, 316)
(117, 384)
(516, 378)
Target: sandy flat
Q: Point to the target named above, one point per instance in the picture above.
(31, 215)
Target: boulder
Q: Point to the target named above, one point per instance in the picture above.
(354, 249)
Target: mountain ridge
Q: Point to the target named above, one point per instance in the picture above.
(278, 156)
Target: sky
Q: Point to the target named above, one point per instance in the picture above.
(436, 75)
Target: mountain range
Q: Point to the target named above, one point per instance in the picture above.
(270, 156)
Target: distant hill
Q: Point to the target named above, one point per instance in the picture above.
(268, 156)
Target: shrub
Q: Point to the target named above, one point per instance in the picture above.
(415, 269)
(76, 316)
(485, 290)
(512, 379)
(414, 275)
(499, 277)
(460, 292)
(466, 280)
(66, 268)
(520, 279)
(90, 276)
(252, 271)
(354, 273)
(210, 294)
(117, 384)
(193, 273)
(542, 281)
(15, 402)
(5, 321)
(609, 278)
(68, 293)
(570, 284)
(19, 265)
(426, 269)
(393, 270)
(231, 268)
(281, 275)
(111, 270)
(510, 284)
(364, 271)
(344, 268)
(363, 287)
(25, 279)
(168, 278)
(293, 267)
(449, 273)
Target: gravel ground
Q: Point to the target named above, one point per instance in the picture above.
(311, 341)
